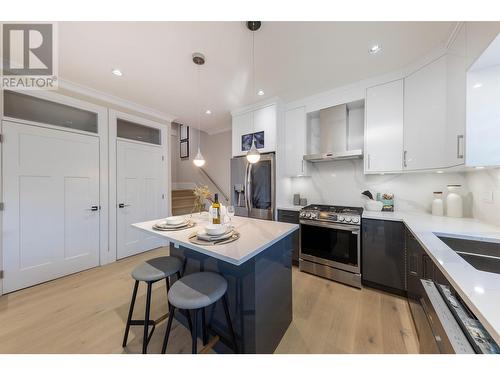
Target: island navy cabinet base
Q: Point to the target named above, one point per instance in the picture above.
(259, 296)
(383, 256)
(288, 216)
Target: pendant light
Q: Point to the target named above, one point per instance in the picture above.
(253, 155)
(199, 60)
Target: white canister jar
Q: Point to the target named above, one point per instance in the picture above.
(437, 204)
(454, 203)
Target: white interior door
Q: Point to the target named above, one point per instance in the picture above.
(140, 185)
(50, 183)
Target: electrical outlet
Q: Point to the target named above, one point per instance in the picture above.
(487, 196)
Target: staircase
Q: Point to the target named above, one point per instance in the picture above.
(182, 202)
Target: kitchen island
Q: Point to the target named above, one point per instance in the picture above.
(258, 269)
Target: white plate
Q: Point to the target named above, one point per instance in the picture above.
(163, 224)
(215, 229)
(175, 220)
(202, 235)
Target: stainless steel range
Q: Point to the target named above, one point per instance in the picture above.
(330, 242)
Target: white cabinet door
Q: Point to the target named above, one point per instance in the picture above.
(456, 79)
(261, 119)
(425, 115)
(50, 183)
(242, 124)
(384, 128)
(265, 119)
(295, 142)
(140, 195)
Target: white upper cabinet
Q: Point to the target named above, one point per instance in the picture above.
(456, 79)
(434, 118)
(384, 128)
(295, 142)
(425, 117)
(242, 124)
(483, 109)
(263, 119)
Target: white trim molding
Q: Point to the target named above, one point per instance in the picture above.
(112, 99)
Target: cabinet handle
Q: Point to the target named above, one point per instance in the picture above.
(460, 138)
(404, 158)
(369, 162)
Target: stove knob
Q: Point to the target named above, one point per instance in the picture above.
(340, 219)
(347, 219)
(308, 215)
(355, 220)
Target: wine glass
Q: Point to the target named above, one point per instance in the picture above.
(230, 213)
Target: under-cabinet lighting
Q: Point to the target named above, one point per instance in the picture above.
(117, 72)
(477, 85)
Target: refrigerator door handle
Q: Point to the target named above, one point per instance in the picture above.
(247, 187)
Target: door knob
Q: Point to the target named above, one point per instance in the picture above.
(123, 205)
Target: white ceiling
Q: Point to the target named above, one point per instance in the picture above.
(293, 59)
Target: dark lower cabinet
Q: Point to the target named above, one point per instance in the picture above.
(420, 266)
(383, 255)
(289, 216)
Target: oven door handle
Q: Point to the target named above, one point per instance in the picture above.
(323, 224)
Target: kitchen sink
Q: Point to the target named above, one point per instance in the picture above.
(482, 255)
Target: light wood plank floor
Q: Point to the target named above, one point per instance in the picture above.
(86, 313)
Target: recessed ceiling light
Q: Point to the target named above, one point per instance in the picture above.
(117, 72)
(477, 85)
(208, 112)
(374, 49)
(260, 92)
(439, 171)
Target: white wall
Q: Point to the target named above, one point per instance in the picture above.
(481, 183)
(341, 183)
(216, 150)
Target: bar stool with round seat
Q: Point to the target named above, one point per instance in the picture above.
(150, 271)
(195, 292)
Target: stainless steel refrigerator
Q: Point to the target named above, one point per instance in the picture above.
(253, 191)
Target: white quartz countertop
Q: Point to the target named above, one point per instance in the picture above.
(479, 289)
(255, 236)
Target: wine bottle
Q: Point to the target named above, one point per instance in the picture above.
(216, 210)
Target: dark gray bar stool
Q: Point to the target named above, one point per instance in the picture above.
(151, 271)
(196, 292)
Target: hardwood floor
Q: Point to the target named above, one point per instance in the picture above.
(86, 313)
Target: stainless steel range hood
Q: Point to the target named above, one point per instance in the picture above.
(334, 136)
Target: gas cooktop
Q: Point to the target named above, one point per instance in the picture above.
(333, 214)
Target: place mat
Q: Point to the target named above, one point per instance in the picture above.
(193, 239)
(166, 228)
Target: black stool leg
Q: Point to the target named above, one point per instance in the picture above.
(130, 312)
(169, 326)
(190, 323)
(194, 332)
(146, 320)
(204, 327)
(178, 274)
(167, 282)
(229, 324)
